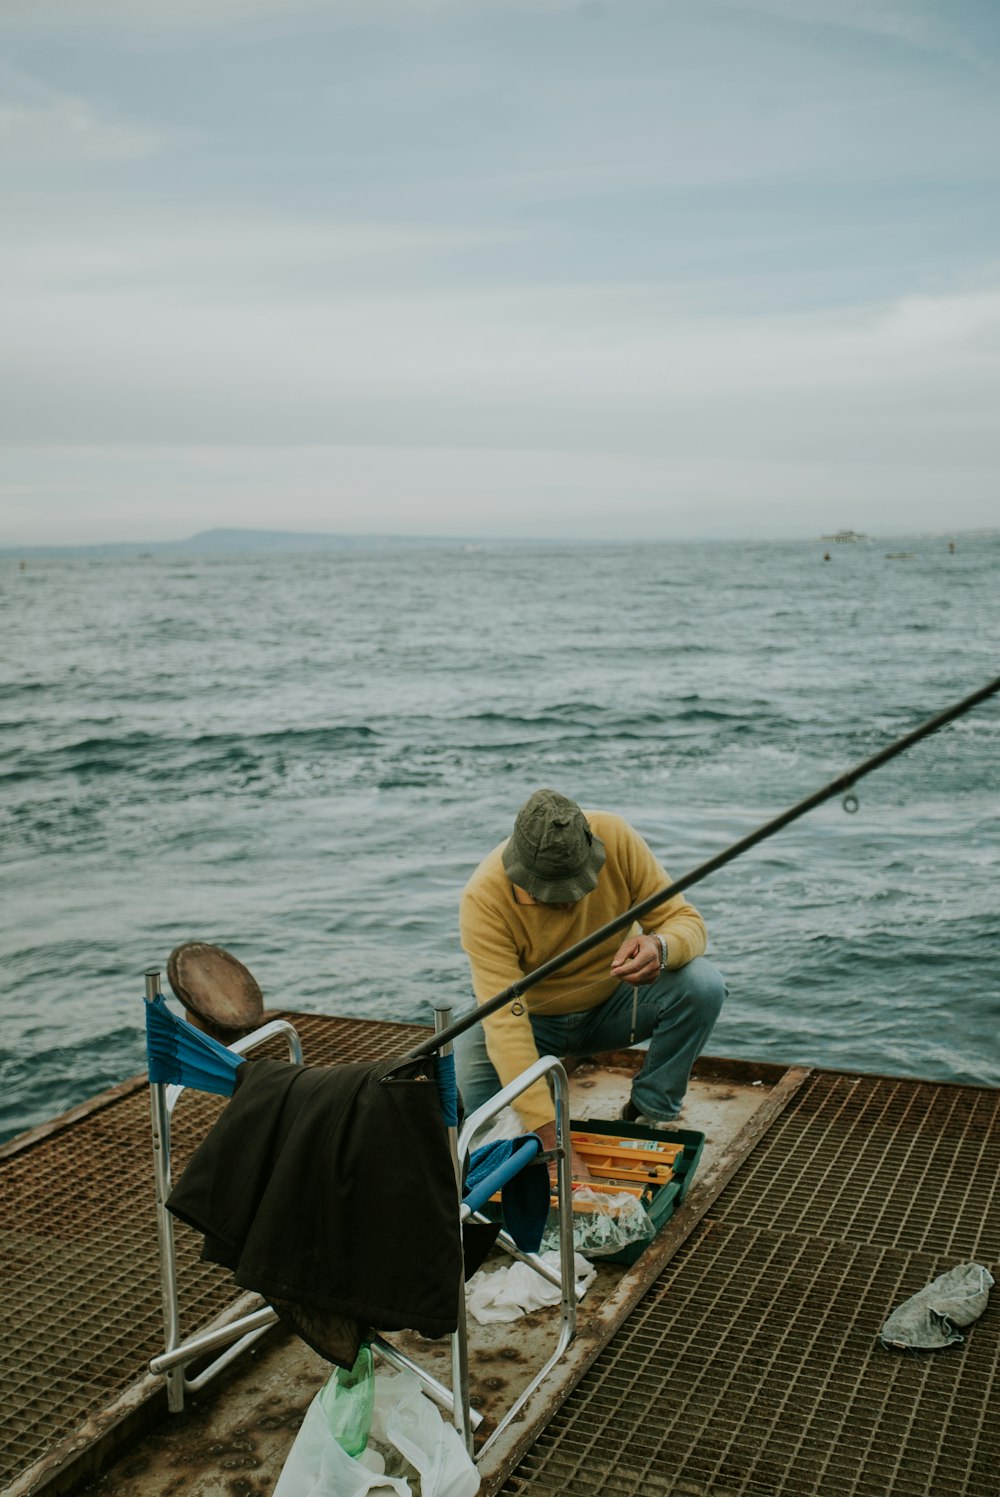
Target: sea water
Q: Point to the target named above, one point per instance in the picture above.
(302, 757)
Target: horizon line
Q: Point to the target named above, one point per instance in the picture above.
(223, 532)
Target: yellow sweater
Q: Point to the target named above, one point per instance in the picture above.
(505, 940)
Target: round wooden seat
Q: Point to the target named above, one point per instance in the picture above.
(219, 994)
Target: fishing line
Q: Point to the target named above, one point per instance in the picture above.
(842, 785)
(517, 1007)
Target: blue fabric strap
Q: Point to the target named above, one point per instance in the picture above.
(181, 1055)
(447, 1085)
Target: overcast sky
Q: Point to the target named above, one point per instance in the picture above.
(498, 267)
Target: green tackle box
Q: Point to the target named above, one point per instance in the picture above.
(663, 1199)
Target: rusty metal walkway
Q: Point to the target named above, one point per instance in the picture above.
(749, 1368)
(752, 1369)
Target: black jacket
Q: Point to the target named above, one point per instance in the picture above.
(331, 1192)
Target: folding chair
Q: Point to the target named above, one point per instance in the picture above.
(181, 1057)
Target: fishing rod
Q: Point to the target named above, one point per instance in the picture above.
(843, 784)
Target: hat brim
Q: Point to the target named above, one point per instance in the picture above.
(565, 890)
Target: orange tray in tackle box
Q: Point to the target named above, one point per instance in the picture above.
(655, 1164)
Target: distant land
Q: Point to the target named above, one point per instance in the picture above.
(226, 542)
(235, 542)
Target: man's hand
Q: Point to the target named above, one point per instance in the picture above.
(637, 960)
(578, 1166)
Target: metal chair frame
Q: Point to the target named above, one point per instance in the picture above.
(235, 1333)
(244, 1330)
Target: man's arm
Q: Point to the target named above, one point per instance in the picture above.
(510, 1042)
(673, 933)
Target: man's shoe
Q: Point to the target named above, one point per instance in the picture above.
(631, 1114)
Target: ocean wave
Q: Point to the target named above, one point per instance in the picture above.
(164, 755)
(280, 792)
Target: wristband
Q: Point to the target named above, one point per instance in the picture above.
(661, 941)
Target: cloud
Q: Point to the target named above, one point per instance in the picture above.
(959, 29)
(225, 256)
(693, 245)
(157, 17)
(40, 126)
(90, 494)
(941, 326)
(296, 360)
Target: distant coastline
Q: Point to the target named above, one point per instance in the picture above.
(236, 542)
(232, 542)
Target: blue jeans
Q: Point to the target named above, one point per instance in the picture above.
(675, 1013)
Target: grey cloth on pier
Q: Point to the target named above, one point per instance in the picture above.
(927, 1320)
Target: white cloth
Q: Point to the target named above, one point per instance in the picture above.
(508, 1293)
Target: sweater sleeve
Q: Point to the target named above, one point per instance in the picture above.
(510, 1043)
(677, 921)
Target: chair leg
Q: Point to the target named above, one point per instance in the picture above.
(442, 1396)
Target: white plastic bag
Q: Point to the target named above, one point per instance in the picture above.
(406, 1427)
(415, 1428)
(317, 1467)
(608, 1224)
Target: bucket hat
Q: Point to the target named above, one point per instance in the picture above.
(552, 852)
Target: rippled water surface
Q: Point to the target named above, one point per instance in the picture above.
(302, 758)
